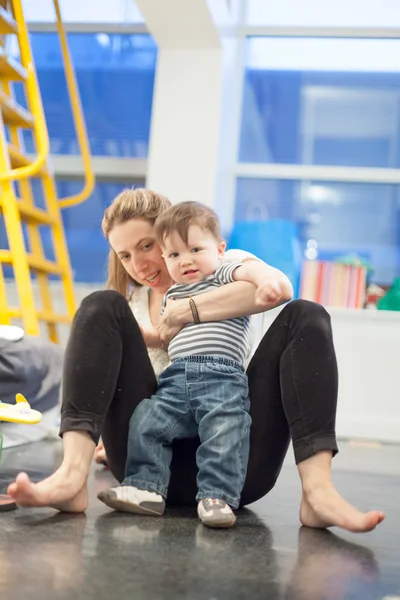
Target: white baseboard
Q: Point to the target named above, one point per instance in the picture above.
(369, 429)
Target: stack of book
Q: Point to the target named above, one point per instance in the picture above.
(333, 284)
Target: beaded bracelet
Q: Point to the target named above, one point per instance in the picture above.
(195, 312)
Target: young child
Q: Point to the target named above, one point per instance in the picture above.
(204, 391)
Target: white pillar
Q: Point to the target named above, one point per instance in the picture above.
(186, 115)
(183, 154)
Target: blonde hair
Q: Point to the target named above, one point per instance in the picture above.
(129, 204)
(179, 217)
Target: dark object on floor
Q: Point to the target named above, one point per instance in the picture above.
(7, 503)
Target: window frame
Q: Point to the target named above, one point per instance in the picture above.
(293, 171)
(286, 171)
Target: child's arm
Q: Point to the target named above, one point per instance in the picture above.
(273, 287)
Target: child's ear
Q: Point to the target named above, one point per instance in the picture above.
(221, 249)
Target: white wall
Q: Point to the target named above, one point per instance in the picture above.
(368, 349)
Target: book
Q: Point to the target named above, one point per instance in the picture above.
(333, 284)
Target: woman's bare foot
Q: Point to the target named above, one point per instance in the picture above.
(60, 491)
(100, 456)
(323, 507)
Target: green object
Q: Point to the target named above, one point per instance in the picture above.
(353, 260)
(6, 502)
(391, 301)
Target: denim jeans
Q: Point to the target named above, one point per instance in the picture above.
(197, 395)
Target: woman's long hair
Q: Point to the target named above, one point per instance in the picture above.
(129, 204)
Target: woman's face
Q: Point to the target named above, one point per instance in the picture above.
(135, 245)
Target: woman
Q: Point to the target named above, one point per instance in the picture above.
(109, 370)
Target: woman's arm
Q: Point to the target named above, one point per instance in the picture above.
(229, 301)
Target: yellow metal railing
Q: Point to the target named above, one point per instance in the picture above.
(77, 114)
(36, 108)
(15, 165)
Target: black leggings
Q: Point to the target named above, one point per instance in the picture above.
(293, 386)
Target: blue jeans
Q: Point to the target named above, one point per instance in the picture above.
(197, 395)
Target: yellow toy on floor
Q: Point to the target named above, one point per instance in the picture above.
(20, 412)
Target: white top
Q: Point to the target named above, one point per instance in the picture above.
(140, 307)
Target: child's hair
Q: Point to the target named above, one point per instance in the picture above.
(179, 217)
(129, 204)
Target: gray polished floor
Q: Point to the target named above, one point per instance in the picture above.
(50, 556)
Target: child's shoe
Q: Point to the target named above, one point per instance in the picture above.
(130, 499)
(215, 513)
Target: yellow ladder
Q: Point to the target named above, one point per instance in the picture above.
(17, 203)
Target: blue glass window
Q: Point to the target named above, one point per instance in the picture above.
(322, 102)
(115, 74)
(88, 249)
(342, 218)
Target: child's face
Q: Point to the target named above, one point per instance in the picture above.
(191, 262)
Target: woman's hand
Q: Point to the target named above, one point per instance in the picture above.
(176, 314)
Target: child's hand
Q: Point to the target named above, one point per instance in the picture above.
(151, 337)
(268, 293)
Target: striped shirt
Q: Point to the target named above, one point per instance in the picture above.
(223, 339)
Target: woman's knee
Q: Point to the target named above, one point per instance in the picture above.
(101, 303)
(102, 299)
(308, 309)
(309, 315)
(100, 308)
